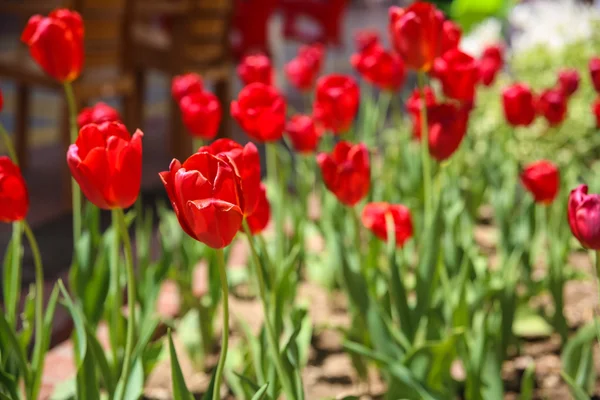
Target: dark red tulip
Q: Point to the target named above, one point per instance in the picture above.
(14, 198)
(186, 84)
(542, 180)
(594, 67)
(365, 38)
(303, 133)
(380, 68)
(205, 194)
(416, 32)
(519, 106)
(347, 172)
(106, 162)
(552, 104)
(260, 111)
(302, 71)
(259, 219)
(201, 113)
(255, 68)
(245, 162)
(596, 111)
(458, 73)
(584, 217)
(374, 218)
(568, 81)
(451, 34)
(491, 63)
(99, 113)
(336, 102)
(56, 43)
(447, 127)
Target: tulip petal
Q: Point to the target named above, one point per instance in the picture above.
(214, 222)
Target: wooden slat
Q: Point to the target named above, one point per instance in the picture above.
(102, 30)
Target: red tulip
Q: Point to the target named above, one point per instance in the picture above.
(594, 67)
(14, 198)
(205, 195)
(365, 38)
(542, 180)
(519, 107)
(183, 85)
(380, 68)
(552, 104)
(245, 162)
(347, 172)
(100, 112)
(374, 218)
(568, 81)
(260, 111)
(596, 111)
(451, 34)
(447, 127)
(201, 112)
(416, 33)
(303, 133)
(255, 68)
(303, 70)
(458, 73)
(1, 100)
(106, 162)
(490, 63)
(259, 219)
(336, 102)
(584, 217)
(56, 43)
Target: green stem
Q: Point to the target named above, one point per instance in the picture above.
(277, 186)
(225, 333)
(131, 296)
(196, 144)
(8, 144)
(12, 292)
(39, 301)
(115, 291)
(76, 192)
(271, 335)
(425, 159)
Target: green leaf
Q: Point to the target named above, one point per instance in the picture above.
(260, 394)
(135, 383)
(87, 382)
(180, 390)
(577, 357)
(528, 383)
(14, 350)
(79, 325)
(100, 357)
(211, 388)
(529, 324)
(9, 382)
(577, 392)
(12, 273)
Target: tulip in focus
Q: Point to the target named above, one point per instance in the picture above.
(260, 111)
(303, 133)
(255, 68)
(259, 219)
(56, 43)
(14, 197)
(201, 113)
(594, 67)
(458, 73)
(347, 172)
(184, 85)
(336, 102)
(542, 180)
(97, 114)
(380, 68)
(568, 81)
(416, 33)
(106, 162)
(552, 104)
(374, 218)
(583, 211)
(519, 106)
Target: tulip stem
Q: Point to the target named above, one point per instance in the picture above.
(39, 304)
(11, 297)
(8, 144)
(75, 191)
(131, 296)
(225, 333)
(271, 335)
(115, 290)
(427, 199)
(196, 144)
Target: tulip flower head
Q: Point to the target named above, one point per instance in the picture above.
(303, 133)
(490, 64)
(259, 219)
(186, 84)
(594, 67)
(201, 113)
(302, 71)
(336, 102)
(380, 67)
(552, 104)
(596, 111)
(256, 68)
(97, 114)
(365, 38)
(519, 106)
(14, 197)
(260, 111)
(106, 162)
(568, 81)
(374, 217)
(451, 34)
(542, 180)
(583, 211)
(347, 172)
(459, 73)
(56, 43)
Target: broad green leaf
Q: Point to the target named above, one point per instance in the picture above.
(9, 383)
(260, 394)
(180, 390)
(529, 324)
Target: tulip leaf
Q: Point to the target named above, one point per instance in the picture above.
(527, 383)
(577, 392)
(577, 357)
(261, 393)
(13, 349)
(100, 358)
